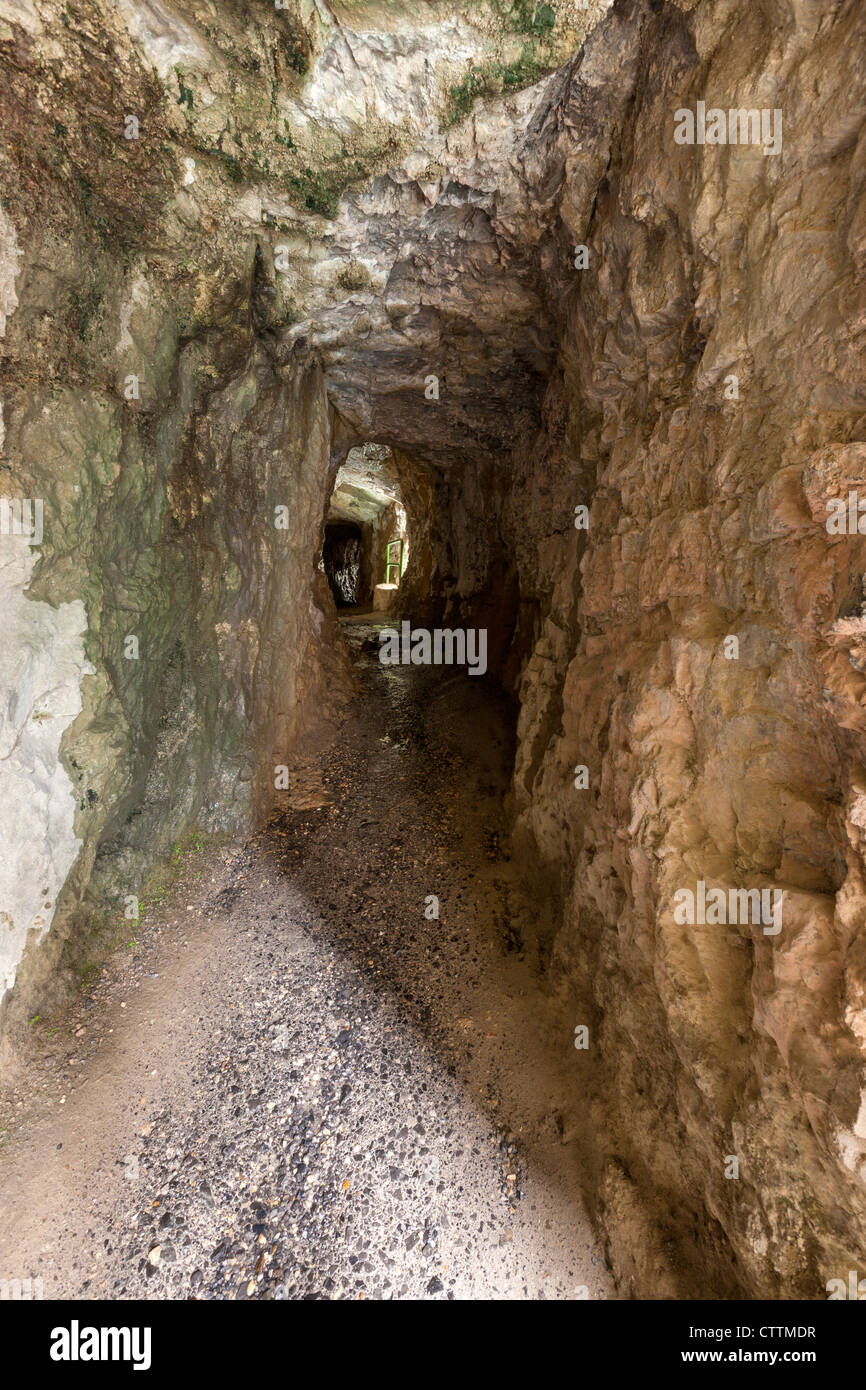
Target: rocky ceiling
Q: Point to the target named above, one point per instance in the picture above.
(422, 284)
(366, 484)
(407, 249)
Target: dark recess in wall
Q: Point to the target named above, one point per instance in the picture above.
(341, 554)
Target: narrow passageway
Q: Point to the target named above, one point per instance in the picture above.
(337, 1093)
(531, 330)
(341, 557)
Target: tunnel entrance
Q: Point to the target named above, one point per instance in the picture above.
(341, 556)
(365, 547)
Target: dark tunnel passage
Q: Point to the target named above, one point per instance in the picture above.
(365, 547)
(438, 603)
(341, 556)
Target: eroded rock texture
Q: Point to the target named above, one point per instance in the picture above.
(707, 520)
(324, 213)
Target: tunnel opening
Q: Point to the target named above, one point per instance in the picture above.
(365, 548)
(341, 558)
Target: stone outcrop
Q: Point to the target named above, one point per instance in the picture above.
(337, 227)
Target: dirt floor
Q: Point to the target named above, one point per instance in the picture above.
(297, 1081)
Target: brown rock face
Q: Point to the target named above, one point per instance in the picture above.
(732, 762)
(621, 380)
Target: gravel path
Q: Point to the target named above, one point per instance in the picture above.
(303, 1087)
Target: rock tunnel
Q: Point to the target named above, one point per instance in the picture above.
(283, 287)
(341, 557)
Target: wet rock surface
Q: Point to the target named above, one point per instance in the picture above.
(367, 1106)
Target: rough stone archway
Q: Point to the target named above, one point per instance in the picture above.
(290, 261)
